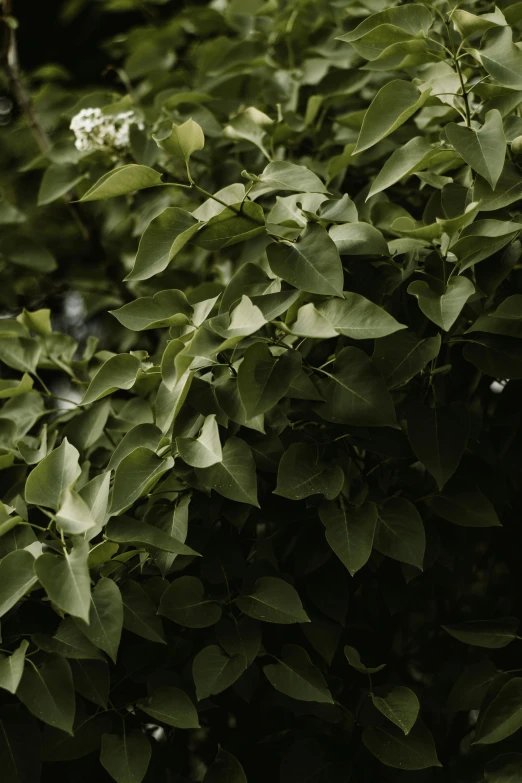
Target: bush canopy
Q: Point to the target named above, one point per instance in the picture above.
(261, 374)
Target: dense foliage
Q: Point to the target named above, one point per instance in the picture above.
(260, 458)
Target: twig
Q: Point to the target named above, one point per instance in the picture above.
(11, 66)
(10, 63)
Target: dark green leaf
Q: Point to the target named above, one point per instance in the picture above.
(184, 602)
(350, 531)
(503, 716)
(392, 748)
(311, 264)
(17, 576)
(273, 601)
(214, 671)
(48, 692)
(400, 532)
(225, 769)
(438, 436)
(492, 634)
(301, 474)
(171, 706)
(123, 180)
(296, 676)
(400, 705)
(126, 758)
(355, 392)
(139, 613)
(235, 476)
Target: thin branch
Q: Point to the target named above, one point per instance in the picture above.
(11, 66)
(10, 63)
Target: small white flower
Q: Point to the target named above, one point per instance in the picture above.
(97, 131)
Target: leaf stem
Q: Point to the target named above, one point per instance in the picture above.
(456, 62)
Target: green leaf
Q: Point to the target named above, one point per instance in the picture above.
(310, 323)
(240, 637)
(55, 473)
(466, 506)
(413, 19)
(235, 477)
(400, 705)
(492, 634)
(498, 357)
(135, 476)
(96, 495)
(73, 516)
(443, 308)
(395, 103)
(356, 393)
(214, 671)
(23, 252)
(68, 641)
(171, 706)
(482, 239)
(105, 617)
(184, 603)
(311, 264)
(506, 768)
(484, 149)
(404, 161)
(57, 181)
(237, 223)
(183, 140)
(139, 613)
(469, 24)
(125, 530)
(92, 680)
(20, 353)
(301, 474)
(503, 716)
(282, 175)
(118, 372)
(17, 576)
(273, 601)
(263, 379)
(402, 355)
(296, 676)
(163, 239)
(359, 239)
(354, 659)
(439, 436)
(350, 531)
(175, 524)
(126, 758)
(205, 450)
(12, 668)
(507, 191)
(66, 579)
(166, 308)
(15, 387)
(225, 769)
(501, 58)
(123, 180)
(400, 532)
(251, 125)
(142, 435)
(469, 690)
(506, 319)
(48, 692)
(358, 318)
(392, 748)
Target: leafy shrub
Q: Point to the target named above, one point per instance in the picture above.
(268, 508)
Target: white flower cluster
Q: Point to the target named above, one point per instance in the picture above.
(97, 131)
